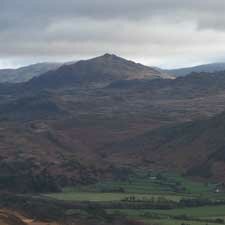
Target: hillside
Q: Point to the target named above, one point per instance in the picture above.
(97, 71)
(65, 133)
(26, 73)
(195, 148)
(207, 68)
(192, 86)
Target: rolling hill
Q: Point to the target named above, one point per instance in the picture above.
(207, 68)
(26, 73)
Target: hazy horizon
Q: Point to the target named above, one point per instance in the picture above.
(32, 62)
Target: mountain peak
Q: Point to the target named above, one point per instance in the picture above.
(109, 56)
(101, 70)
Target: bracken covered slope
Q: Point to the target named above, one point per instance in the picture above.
(68, 128)
(99, 71)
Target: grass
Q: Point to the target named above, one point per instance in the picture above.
(170, 217)
(204, 211)
(197, 212)
(176, 222)
(145, 186)
(133, 186)
(93, 196)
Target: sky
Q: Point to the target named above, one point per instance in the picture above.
(164, 33)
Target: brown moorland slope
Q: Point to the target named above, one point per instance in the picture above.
(71, 133)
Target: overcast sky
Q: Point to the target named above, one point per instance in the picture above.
(166, 33)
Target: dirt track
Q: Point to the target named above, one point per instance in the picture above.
(8, 217)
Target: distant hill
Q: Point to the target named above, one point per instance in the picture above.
(26, 73)
(99, 71)
(209, 68)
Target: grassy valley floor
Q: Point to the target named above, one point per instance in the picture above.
(161, 188)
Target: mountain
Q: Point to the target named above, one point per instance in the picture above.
(195, 148)
(26, 73)
(56, 130)
(97, 71)
(192, 86)
(208, 68)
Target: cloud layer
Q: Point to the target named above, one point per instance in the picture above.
(155, 32)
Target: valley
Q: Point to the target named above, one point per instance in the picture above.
(112, 112)
(92, 141)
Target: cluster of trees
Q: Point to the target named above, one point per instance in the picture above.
(195, 202)
(23, 176)
(160, 199)
(187, 218)
(162, 202)
(106, 189)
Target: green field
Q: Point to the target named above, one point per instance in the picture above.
(143, 185)
(176, 216)
(176, 222)
(198, 212)
(93, 196)
(153, 187)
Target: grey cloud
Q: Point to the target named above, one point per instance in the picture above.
(152, 30)
(48, 10)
